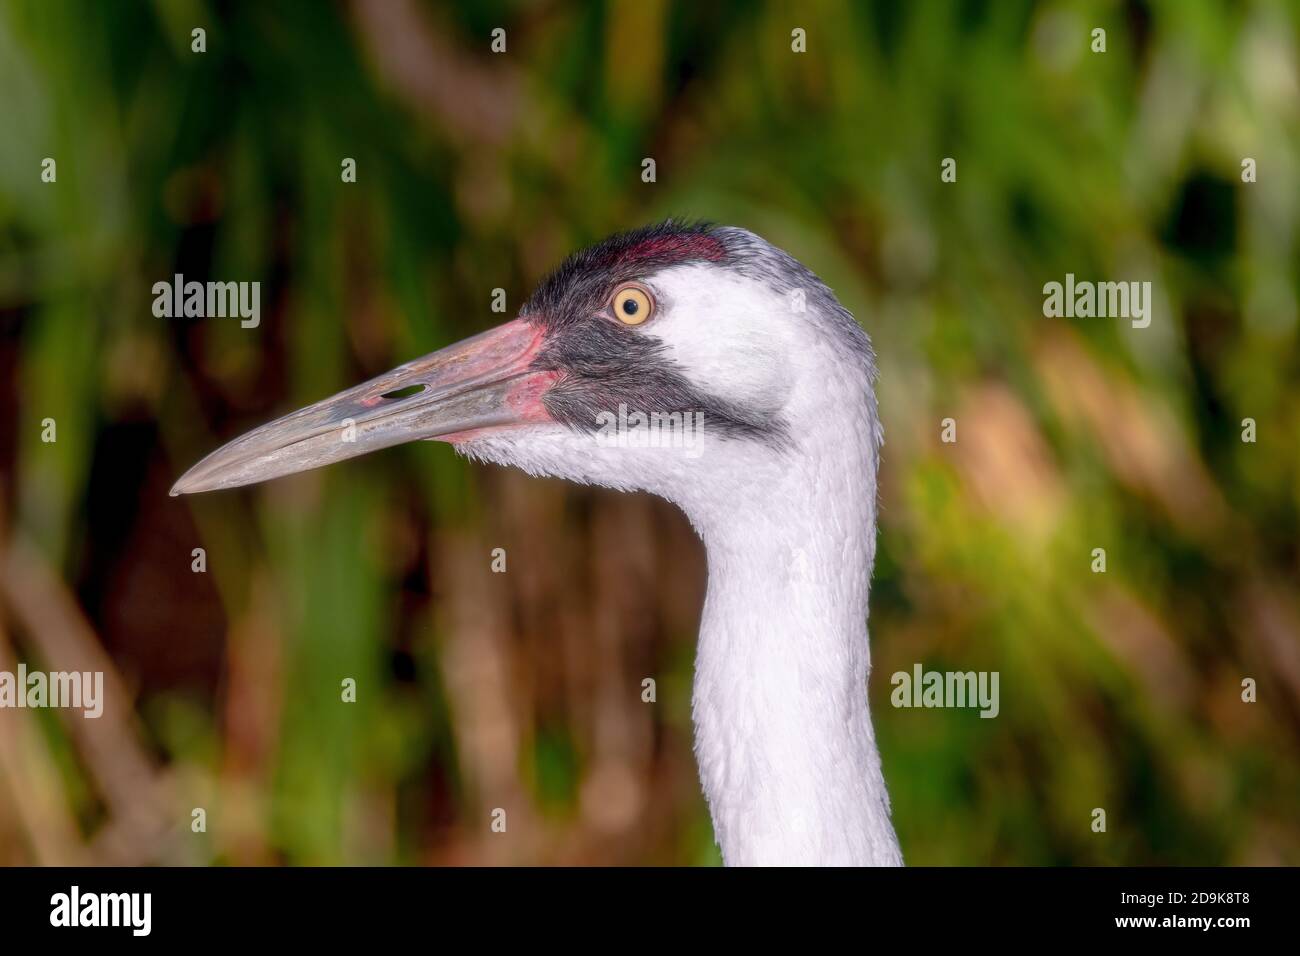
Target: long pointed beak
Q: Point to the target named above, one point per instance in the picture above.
(482, 382)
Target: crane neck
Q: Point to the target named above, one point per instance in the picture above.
(783, 735)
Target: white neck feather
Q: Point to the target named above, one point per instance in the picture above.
(784, 740)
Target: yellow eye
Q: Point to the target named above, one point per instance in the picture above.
(632, 305)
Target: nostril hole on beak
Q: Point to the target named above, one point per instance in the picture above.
(405, 392)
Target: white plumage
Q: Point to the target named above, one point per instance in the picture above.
(784, 740)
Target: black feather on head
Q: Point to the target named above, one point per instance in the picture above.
(604, 364)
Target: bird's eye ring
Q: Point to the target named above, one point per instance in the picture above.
(632, 304)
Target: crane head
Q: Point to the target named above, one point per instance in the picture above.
(655, 359)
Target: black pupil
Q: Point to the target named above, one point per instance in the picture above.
(630, 306)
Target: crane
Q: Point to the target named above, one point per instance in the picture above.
(670, 323)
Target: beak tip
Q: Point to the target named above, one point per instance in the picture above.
(186, 484)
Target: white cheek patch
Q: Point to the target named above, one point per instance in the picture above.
(735, 338)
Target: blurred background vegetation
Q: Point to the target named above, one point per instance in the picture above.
(522, 690)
